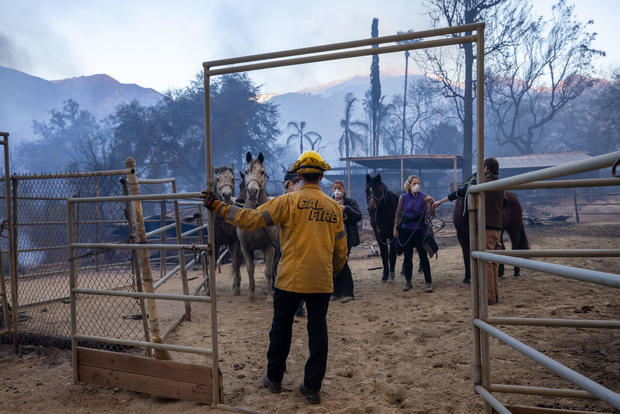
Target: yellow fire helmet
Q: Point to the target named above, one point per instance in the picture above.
(310, 162)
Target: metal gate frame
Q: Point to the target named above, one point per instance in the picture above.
(483, 324)
(140, 247)
(471, 33)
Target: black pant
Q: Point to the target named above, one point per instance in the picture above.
(274, 274)
(415, 241)
(284, 306)
(343, 282)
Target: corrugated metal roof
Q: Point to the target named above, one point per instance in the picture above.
(549, 159)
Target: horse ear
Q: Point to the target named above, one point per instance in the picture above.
(368, 178)
(261, 157)
(378, 177)
(248, 157)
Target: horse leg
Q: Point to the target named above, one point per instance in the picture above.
(463, 237)
(236, 262)
(466, 262)
(248, 253)
(392, 259)
(384, 258)
(269, 252)
(515, 236)
(500, 268)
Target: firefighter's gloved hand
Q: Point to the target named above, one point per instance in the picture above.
(210, 201)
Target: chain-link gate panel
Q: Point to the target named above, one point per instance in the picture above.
(42, 267)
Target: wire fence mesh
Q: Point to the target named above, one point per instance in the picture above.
(39, 208)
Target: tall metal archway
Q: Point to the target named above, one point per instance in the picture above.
(471, 33)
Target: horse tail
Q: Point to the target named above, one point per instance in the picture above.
(523, 243)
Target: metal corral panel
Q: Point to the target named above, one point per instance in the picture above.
(543, 160)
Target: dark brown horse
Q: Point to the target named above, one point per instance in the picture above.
(382, 205)
(512, 222)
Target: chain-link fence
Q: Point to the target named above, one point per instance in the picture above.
(40, 214)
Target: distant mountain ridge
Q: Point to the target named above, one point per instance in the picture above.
(26, 98)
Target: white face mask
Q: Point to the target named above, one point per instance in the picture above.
(415, 188)
(337, 194)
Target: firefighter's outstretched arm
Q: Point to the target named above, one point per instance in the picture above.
(268, 214)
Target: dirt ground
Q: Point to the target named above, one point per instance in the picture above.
(390, 351)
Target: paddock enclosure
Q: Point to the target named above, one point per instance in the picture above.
(394, 352)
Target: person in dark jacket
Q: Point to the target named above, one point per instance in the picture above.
(493, 203)
(343, 283)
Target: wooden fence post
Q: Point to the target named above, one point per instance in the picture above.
(147, 277)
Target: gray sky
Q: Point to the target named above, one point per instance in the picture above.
(161, 44)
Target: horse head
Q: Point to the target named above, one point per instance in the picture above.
(254, 176)
(376, 192)
(224, 183)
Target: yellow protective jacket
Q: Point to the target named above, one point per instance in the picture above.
(312, 236)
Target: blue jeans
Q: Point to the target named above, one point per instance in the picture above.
(284, 306)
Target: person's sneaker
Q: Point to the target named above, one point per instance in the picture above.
(429, 288)
(334, 298)
(274, 387)
(346, 299)
(313, 397)
(407, 287)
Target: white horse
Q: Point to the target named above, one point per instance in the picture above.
(264, 239)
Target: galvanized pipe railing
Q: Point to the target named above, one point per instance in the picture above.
(554, 323)
(341, 55)
(585, 275)
(345, 45)
(587, 182)
(154, 345)
(602, 393)
(594, 163)
(559, 253)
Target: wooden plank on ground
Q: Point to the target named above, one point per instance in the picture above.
(142, 383)
(172, 370)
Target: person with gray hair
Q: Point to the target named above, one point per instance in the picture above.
(414, 207)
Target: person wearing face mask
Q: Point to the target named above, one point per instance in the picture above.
(343, 283)
(410, 229)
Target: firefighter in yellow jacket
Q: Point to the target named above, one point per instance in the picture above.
(314, 249)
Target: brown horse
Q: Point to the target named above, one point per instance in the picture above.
(512, 222)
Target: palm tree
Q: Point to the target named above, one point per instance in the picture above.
(301, 135)
(350, 137)
(405, 93)
(316, 144)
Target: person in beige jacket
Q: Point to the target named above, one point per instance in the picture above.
(314, 249)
